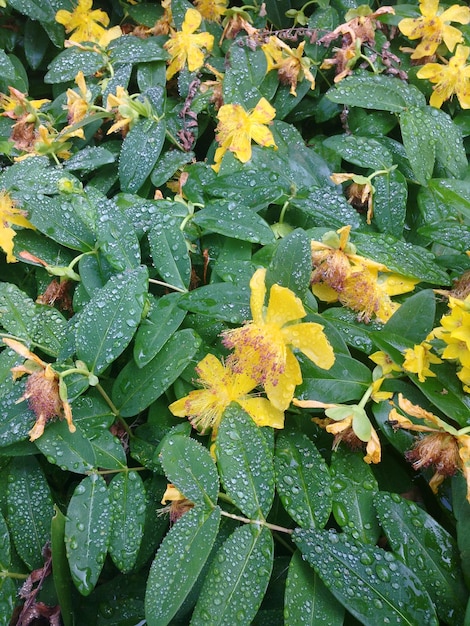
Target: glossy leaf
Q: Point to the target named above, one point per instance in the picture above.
(373, 584)
(290, 265)
(220, 301)
(170, 253)
(70, 451)
(190, 467)
(136, 388)
(17, 311)
(30, 508)
(87, 531)
(178, 563)
(66, 65)
(8, 595)
(109, 320)
(128, 504)
(234, 221)
(60, 567)
(428, 550)
(421, 308)
(245, 463)
(353, 487)
(5, 549)
(307, 599)
(420, 146)
(390, 196)
(363, 151)
(244, 563)
(139, 153)
(302, 480)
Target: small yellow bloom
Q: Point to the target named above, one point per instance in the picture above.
(211, 10)
(222, 385)
(87, 25)
(238, 127)
(418, 359)
(263, 347)
(51, 143)
(349, 423)
(385, 362)
(451, 78)
(445, 447)
(78, 104)
(16, 105)
(290, 64)
(9, 215)
(342, 275)
(47, 398)
(127, 111)
(185, 47)
(178, 504)
(433, 27)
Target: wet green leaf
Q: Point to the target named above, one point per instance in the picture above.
(60, 567)
(302, 480)
(428, 550)
(220, 301)
(307, 599)
(87, 531)
(30, 508)
(66, 65)
(371, 583)
(70, 451)
(363, 151)
(245, 463)
(234, 221)
(130, 48)
(178, 563)
(5, 550)
(170, 253)
(8, 595)
(244, 563)
(390, 197)
(291, 266)
(420, 146)
(421, 308)
(190, 467)
(17, 311)
(139, 153)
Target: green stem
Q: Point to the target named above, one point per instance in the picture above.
(109, 402)
(163, 284)
(13, 575)
(258, 522)
(117, 471)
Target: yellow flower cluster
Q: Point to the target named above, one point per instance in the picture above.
(433, 28)
(262, 356)
(86, 24)
(455, 332)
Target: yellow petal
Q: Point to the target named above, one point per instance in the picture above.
(456, 13)
(258, 294)
(373, 449)
(310, 339)
(283, 307)
(282, 393)
(210, 370)
(263, 412)
(192, 21)
(451, 36)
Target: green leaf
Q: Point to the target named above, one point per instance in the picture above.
(16, 418)
(128, 505)
(244, 564)
(90, 159)
(323, 207)
(50, 328)
(170, 253)
(5, 550)
(17, 311)
(116, 237)
(346, 380)
(8, 596)
(189, 466)
(178, 562)
(139, 153)
(70, 451)
(40, 11)
(245, 463)
(421, 308)
(30, 509)
(108, 322)
(237, 222)
(136, 388)
(390, 196)
(302, 480)
(87, 532)
(428, 550)
(363, 151)
(461, 510)
(161, 323)
(383, 93)
(354, 487)
(450, 150)
(291, 264)
(60, 567)
(219, 301)
(66, 65)
(130, 48)
(307, 599)
(108, 451)
(371, 583)
(244, 76)
(420, 145)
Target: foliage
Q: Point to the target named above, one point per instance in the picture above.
(256, 218)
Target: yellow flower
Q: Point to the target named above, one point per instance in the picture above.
(9, 215)
(418, 359)
(127, 110)
(45, 391)
(290, 64)
(433, 27)
(385, 362)
(211, 10)
(222, 385)
(349, 423)
(445, 448)
(342, 275)
(451, 78)
(185, 47)
(16, 105)
(179, 505)
(78, 104)
(263, 347)
(237, 128)
(87, 25)
(50, 142)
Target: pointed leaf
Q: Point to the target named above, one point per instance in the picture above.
(245, 463)
(234, 221)
(291, 264)
(136, 388)
(371, 583)
(87, 532)
(70, 451)
(170, 253)
(5, 550)
(128, 504)
(302, 480)
(421, 307)
(420, 146)
(428, 550)
(108, 322)
(189, 466)
(139, 153)
(244, 563)
(178, 563)
(307, 599)
(390, 196)
(30, 509)
(60, 567)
